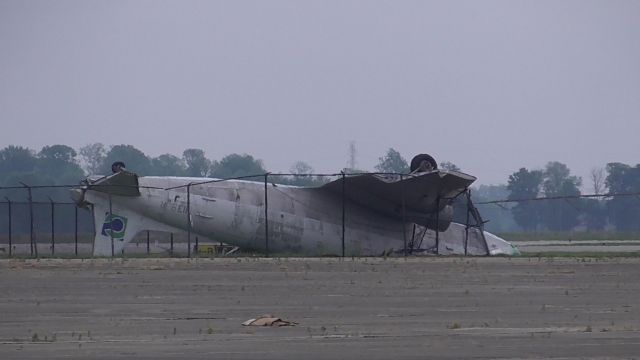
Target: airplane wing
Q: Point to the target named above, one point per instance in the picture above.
(420, 192)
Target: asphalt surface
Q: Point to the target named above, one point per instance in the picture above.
(354, 308)
(180, 248)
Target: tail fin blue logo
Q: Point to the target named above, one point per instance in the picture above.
(114, 226)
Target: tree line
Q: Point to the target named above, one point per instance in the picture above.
(620, 212)
(63, 165)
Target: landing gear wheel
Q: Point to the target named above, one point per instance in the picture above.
(424, 162)
(117, 166)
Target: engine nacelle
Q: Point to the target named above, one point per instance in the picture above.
(439, 221)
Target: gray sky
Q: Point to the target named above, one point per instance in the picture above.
(489, 85)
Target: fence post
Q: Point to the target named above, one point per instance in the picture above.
(148, 250)
(343, 208)
(195, 248)
(171, 247)
(10, 230)
(53, 228)
(266, 215)
(404, 216)
(438, 224)
(466, 228)
(33, 246)
(76, 229)
(189, 220)
(111, 226)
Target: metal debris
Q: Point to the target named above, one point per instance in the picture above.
(268, 320)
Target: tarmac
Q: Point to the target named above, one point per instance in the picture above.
(582, 246)
(363, 308)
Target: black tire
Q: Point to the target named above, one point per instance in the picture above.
(418, 159)
(117, 166)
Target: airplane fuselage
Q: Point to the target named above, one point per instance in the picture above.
(369, 219)
(299, 220)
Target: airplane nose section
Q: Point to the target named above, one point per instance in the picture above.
(499, 246)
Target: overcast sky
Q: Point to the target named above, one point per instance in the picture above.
(489, 85)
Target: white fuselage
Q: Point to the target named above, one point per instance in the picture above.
(288, 220)
(300, 220)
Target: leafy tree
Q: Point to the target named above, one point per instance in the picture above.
(392, 162)
(92, 156)
(525, 184)
(555, 181)
(197, 164)
(16, 159)
(54, 165)
(134, 159)
(499, 218)
(304, 177)
(59, 162)
(236, 165)
(622, 178)
(61, 153)
(449, 166)
(558, 180)
(303, 171)
(560, 215)
(167, 165)
(301, 168)
(594, 214)
(32, 179)
(624, 210)
(17, 166)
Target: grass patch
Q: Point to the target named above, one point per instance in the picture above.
(581, 254)
(569, 235)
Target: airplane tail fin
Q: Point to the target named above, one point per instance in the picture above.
(117, 225)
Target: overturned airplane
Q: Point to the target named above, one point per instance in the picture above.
(355, 215)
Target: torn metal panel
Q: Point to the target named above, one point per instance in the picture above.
(123, 183)
(268, 320)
